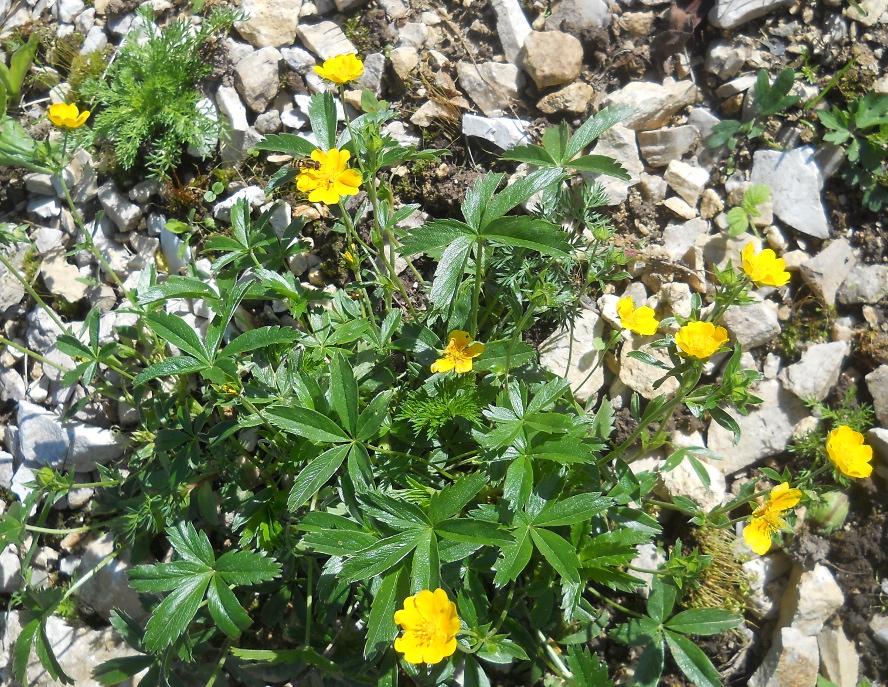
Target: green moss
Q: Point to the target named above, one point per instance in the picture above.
(358, 32)
(83, 67)
(809, 323)
(30, 264)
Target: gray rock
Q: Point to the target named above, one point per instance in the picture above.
(394, 9)
(254, 195)
(572, 354)
(684, 481)
(511, 26)
(404, 60)
(678, 239)
(795, 182)
(765, 432)
(650, 558)
(638, 375)
(142, 192)
(662, 146)
(686, 180)
(574, 98)
(864, 284)
(825, 272)
(578, 15)
(877, 385)
(61, 277)
(95, 40)
(810, 600)
(230, 105)
(817, 372)
(118, 208)
(619, 143)
(301, 61)
(12, 385)
(90, 446)
(10, 571)
(374, 70)
(6, 471)
(879, 626)
(501, 131)
(552, 58)
(725, 58)
(729, 14)
(325, 39)
(767, 583)
(491, 85)
(269, 122)
(792, 661)
(257, 78)
(109, 588)
(871, 12)
(839, 660)
(345, 5)
(11, 289)
(68, 9)
(654, 104)
(752, 325)
(270, 23)
(44, 207)
(413, 34)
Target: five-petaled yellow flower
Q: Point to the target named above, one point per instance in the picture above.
(639, 320)
(459, 353)
(847, 450)
(701, 339)
(67, 116)
(766, 519)
(331, 180)
(430, 624)
(341, 69)
(764, 269)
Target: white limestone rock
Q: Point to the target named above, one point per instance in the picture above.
(501, 131)
(511, 26)
(573, 354)
(752, 325)
(817, 372)
(810, 600)
(491, 85)
(792, 661)
(877, 385)
(864, 284)
(270, 23)
(638, 375)
(686, 180)
(729, 14)
(654, 104)
(325, 39)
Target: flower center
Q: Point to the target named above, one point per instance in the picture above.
(429, 632)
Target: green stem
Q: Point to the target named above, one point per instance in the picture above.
(223, 656)
(32, 354)
(476, 294)
(554, 657)
(33, 294)
(309, 581)
(610, 602)
(62, 533)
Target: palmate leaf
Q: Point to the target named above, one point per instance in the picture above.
(314, 475)
(449, 272)
(171, 366)
(692, 661)
(528, 232)
(516, 193)
(381, 628)
(587, 670)
(453, 498)
(174, 614)
(382, 556)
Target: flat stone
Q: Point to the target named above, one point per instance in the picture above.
(270, 23)
(11, 289)
(619, 143)
(839, 660)
(12, 386)
(725, 58)
(109, 588)
(825, 272)
(325, 39)
(684, 481)
(573, 354)
(879, 626)
(752, 325)
(61, 277)
(678, 239)
(491, 85)
(877, 385)
(257, 78)
(654, 104)
(871, 14)
(795, 181)
(552, 58)
(44, 207)
(792, 661)
(501, 131)
(578, 15)
(254, 195)
(686, 180)
(810, 600)
(640, 376)
(299, 60)
(767, 582)
(765, 432)
(817, 372)
(662, 146)
(374, 70)
(864, 284)
(729, 14)
(511, 26)
(574, 98)
(404, 60)
(232, 107)
(118, 208)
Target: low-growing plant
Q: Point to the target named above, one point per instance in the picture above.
(388, 486)
(147, 104)
(13, 76)
(861, 130)
(740, 217)
(768, 100)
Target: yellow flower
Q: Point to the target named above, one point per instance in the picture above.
(67, 116)
(430, 624)
(458, 354)
(847, 450)
(341, 69)
(639, 320)
(764, 269)
(331, 180)
(701, 339)
(766, 520)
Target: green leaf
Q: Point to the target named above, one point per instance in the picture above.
(738, 221)
(315, 475)
(344, 392)
(600, 164)
(518, 192)
(437, 234)
(179, 365)
(426, 570)
(191, 545)
(19, 64)
(555, 140)
(873, 111)
(262, 337)
(172, 617)
(43, 649)
(527, 232)
(449, 273)
(247, 567)
(478, 197)
(587, 670)
(373, 416)
(306, 423)
(225, 609)
(322, 115)
(648, 359)
(381, 627)
(757, 194)
(117, 670)
(558, 552)
(21, 652)
(594, 127)
(726, 421)
(164, 577)
(454, 497)
(382, 556)
(287, 143)
(650, 665)
(661, 600)
(499, 356)
(178, 287)
(531, 154)
(72, 346)
(176, 331)
(474, 675)
(571, 510)
(515, 558)
(722, 133)
(704, 621)
(692, 661)
(474, 531)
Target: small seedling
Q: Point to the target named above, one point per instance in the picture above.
(741, 216)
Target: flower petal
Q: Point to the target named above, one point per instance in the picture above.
(442, 365)
(757, 535)
(474, 349)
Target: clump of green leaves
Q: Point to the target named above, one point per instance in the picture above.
(430, 409)
(741, 216)
(862, 130)
(147, 106)
(13, 76)
(857, 416)
(769, 99)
